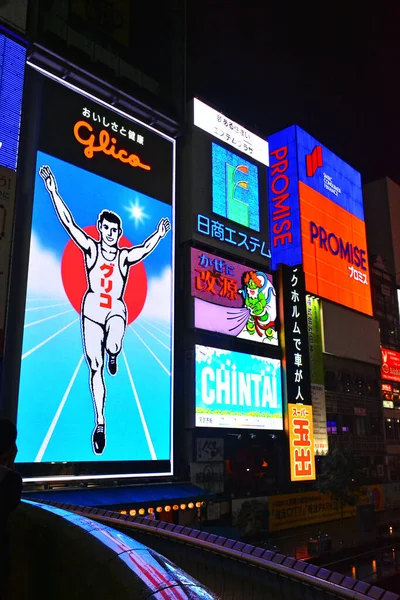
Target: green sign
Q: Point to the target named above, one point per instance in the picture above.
(314, 330)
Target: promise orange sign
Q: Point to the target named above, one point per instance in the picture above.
(335, 259)
(301, 442)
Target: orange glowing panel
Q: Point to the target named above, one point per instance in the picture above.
(301, 442)
(335, 258)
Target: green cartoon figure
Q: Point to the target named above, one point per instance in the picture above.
(259, 297)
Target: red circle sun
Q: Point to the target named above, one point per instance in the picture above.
(73, 275)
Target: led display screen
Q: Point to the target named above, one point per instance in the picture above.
(335, 259)
(232, 299)
(12, 67)
(235, 188)
(237, 390)
(390, 369)
(99, 317)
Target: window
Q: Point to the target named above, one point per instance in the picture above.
(330, 381)
(359, 426)
(331, 427)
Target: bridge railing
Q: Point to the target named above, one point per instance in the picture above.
(235, 570)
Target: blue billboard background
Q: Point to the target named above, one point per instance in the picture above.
(335, 179)
(55, 410)
(12, 67)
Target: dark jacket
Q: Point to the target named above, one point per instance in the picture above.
(10, 496)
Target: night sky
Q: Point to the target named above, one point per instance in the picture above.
(333, 72)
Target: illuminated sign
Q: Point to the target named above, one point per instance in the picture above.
(390, 369)
(301, 441)
(99, 315)
(314, 330)
(386, 387)
(229, 132)
(334, 251)
(237, 390)
(295, 335)
(317, 218)
(235, 188)
(388, 404)
(233, 299)
(232, 237)
(106, 144)
(12, 68)
(284, 210)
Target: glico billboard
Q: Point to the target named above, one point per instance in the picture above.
(99, 313)
(316, 218)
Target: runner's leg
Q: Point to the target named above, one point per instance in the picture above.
(115, 331)
(93, 341)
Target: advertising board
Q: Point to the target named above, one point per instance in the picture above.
(390, 369)
(225, 177)
(335, 258)
(12, 69)
(301, 442)
(233, 299)
(237, 390)
(99, 313)
(315, 348)
(316, 217)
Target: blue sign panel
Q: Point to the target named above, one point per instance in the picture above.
(284, 208)
(235, 188)
(12, 65)
(327, 174)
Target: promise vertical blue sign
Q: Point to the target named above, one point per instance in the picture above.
(284, 207)
(12, 66)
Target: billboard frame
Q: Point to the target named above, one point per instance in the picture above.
(20, 261)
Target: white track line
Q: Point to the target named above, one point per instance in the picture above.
(140, 410)
(154, 327)
(54, 422)
(155, 337)
(47, 340)
(151, 351)
(48, 318)
(48, 306)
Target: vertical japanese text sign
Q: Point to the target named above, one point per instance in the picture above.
(301, 436)
(295, 342)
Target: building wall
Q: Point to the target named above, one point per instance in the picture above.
(354, 409)
(377, 220)
(393, 191)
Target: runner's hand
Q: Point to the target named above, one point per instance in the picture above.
(163, 227)
(49, 180)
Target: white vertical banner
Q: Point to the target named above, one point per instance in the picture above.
(8, 180)
(319, 419)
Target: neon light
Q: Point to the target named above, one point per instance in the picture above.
(104, 140)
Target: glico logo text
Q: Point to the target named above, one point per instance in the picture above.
(335, 245)
(281, 212)
(104, 146)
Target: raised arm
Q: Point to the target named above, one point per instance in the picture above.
(138, 253)
(64, 214)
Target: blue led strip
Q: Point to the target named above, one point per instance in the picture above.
(12, 65)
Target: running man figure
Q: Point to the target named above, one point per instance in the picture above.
(104, 313)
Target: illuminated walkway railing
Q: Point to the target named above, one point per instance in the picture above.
(235, 570)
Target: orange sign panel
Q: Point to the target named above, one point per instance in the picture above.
(301, 442)
(335, 259)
